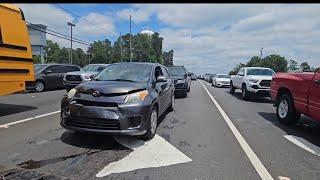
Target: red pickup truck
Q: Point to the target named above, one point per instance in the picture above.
(295, 94)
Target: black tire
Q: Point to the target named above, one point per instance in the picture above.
(245, 94)
(232, 89)
(149, 134)
(171, 107)
(40, 86)
(185, 94)
(292, 116)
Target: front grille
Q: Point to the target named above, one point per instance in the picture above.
(73, 78)
(96, 103)
(265, 83)
(93, 123)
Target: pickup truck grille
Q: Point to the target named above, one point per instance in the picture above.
(265, 83)
(73, 78)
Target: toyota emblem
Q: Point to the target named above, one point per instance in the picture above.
(96, 93)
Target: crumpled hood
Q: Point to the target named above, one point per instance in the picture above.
(110, 87)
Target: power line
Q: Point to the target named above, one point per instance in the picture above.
(30, 26)
(66, 10)
(73, 38)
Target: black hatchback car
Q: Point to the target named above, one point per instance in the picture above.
(124, 98)
(181, 79)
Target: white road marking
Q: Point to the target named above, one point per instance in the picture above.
(28, 119)
(304, 144)
(146, 154)
(283, 178)
(255, 161)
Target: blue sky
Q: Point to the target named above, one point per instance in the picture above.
(209, 38)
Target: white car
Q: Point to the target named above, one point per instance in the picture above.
(220, 80)
(252, 81)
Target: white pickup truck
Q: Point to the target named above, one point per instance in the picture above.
(252, 81)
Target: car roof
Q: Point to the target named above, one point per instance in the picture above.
(98, 64)
(145, 63)
(257, 68)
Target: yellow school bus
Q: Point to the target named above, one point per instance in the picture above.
(16, 63)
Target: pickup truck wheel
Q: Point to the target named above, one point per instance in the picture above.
(245, 93)
(231, 89)
(286, 112)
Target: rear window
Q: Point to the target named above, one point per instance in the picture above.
(223, 76)
(177, 71)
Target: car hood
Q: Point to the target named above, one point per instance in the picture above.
(260, 77)
(82, 73)
(110, 87)
(178, 77)
(222, 79)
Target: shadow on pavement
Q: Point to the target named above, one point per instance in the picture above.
(255, 99)
(306, 128)
(8, 109)
(91, 141)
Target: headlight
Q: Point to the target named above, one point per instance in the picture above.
(136, 97)
(71, 93)
(86, 77)
(253, 80)
(181, 81)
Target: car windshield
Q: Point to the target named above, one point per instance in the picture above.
(260, 72)
(39, 67)
(176, 71)
(223, 76)
(92, 67)
(125, 72)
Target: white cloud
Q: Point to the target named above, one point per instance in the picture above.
(137, 15)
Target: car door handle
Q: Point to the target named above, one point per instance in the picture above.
(317, 81)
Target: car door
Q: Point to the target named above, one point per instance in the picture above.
(239, 78)
(167, 86)
(51, 76)
(160, 89)
(314, 97)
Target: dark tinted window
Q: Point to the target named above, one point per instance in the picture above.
(158, 72)
(177, 71)
(65, 69)
(260, 72)
(53, 68)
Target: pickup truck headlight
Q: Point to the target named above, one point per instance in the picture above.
(71, 93)
(253, 80)
(86, 77)
(137, 97)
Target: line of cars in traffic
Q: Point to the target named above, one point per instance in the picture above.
(292, 94)
(119, 98)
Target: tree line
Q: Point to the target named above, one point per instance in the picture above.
(145, 48)
(276, 62)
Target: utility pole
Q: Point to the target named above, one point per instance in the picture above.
(121, 47)
(130, 41)
(71, 25)
(261, 53)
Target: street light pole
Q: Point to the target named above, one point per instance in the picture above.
(71, 25)
(130, 41)
(261, 53)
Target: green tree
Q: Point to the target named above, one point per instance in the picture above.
(100, 51)
(293, 65)
(36, 59)
(255, 61)
(305, 67)
(52, 51)
(275, 62)
(235, 70)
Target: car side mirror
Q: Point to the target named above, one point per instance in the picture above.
(162, 79)
(92, 76)
(241, 74)
(47, 71)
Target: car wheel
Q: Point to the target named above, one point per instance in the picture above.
(171, 107)
(39, 86)
(245, 93)
(151, 125)
(231, 88)
(286, 112)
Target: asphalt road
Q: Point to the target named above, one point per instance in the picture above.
(196, 129)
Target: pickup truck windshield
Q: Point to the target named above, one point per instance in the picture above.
(125, 72)
(176, 71)
(92, 67)
(260, 72)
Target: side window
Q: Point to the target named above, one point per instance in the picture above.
(65, 69)
(75, 68)
(241, 71)
(165, 72)
(54, 69)
(158, 72)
